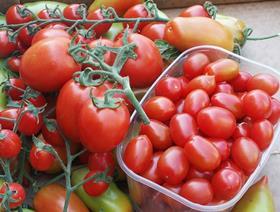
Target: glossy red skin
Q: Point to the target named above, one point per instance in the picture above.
(49, 33)
(43, 14)
(194, 173)
(10, 146)
(229, 102)
(202, 154)
(180, 106)
(257, 104)
(224, 88)
(197, 190)
(171, 202)
(169, 87)
(30, 124)
(154, 31)
(25, 36)
(184, 85)
(148, 55)
(196, 101)
(239, 84)
(40, 160)
(72, 12)
(11, 113)
(206, 83)
(13, 17)
(159, 108)
(275, 107)
(18, 194)
(262, 133)
(101, 162)
(56, 26)
(38, 101)
(21, 47)
(173, 165)
(265, 82)
(48, 54)
(195, 11)
(195, 64)
(216, 122)
(52, 137)
(13, 63)
(151, 173)
(120, 35)
(14, 93)
(158, 133)
(101, 28)
(222, 146)
(94, 188)
(231, 165)
(245, 154)
(6, 47)
(138, 154)
(226, 183)
(242, 130)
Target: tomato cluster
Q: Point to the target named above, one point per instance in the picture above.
(207, 130)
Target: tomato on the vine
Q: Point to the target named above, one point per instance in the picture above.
(26, 35)
(11, 113)
(18, 194)
(51, 134)
(7, 47)
(10, 144)
(16, 88)
(13, 63)
(40, 160)
(102, 162)
(169, 87)
(16, 15)
(44, 14)
(95, 187)
(73, 12)
(154, 31)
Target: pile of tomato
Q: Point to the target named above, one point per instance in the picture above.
(208, 129)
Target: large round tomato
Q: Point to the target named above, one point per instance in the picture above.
(151, 172)
(154, 31)
(6, 47)
(49, 33)
(47, 65)
(262, 133)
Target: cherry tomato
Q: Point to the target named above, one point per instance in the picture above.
(95, 187)
(195, 11)
(14, 15)
(73, 12)
(138, 154)
(222, 146)
(13, 63)
(16, 88)
(159, 108)
(226, 183)
(206, 83)
(224, 87)
(173, 165)
(202, 154)
(49, 33)
(197, 190)
(275, 107)
(26, 35)
(262, 133)
(169, 87)
(154, 31)
(18, 194)
(44, 14)
(195, 64)
(194, 173)
(242, 130)
(51, 134)
(101, 162)
(38, 101)
(246, 154)
(10, 144)
(216, 122)
(184, 86)
(40, 160)
(21, 47)
(7, 47)
(158, 133)
(239, 83)
(195, 101)
(257, 104)
(231, 165)
(180, 106)
(11, 113)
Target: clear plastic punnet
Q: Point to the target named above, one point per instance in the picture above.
(150, 197)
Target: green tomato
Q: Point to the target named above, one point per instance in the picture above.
(37, 6)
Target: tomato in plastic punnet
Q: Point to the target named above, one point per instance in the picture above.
(194, 173)
(16, 15)
(275, 107)
(195, 11)
(18, 194)
(231, 165)
(242, 130)
(239, 84)
(16, 90)
(154, 31)
(222, 146)
(10, 144)
(49, 33)
(7, 47)
(169, 87)
(224, 87)
(184, 85)
(180, 106)
(262, 133)
(206, 83)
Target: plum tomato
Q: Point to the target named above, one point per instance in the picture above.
(195, 11)
(95, 187)
(194, 173)
(41, 160)
(10, 144)
(180, 106)
(275, 107)
(15, 15)
(18, 194)
(7, 47)
(231, 165)
(169, 87)
(101, 162)
(154, 31)
(262, 133)
(242, 130)
(184, 85)
(239, 83)
(222, 146)
(206, 83)
(224, 87)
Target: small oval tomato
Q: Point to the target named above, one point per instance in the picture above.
(51, 134)
(18, 194)
(197, 190)
(10, 144)
(257, 104)
(138, 154)
(262, 133)
(226, 183)
(95, 187)
(194, 173)
(101, 162)
(38, 101)
(206, 83)
(30, 124)
(246, 154)
(16, 88)
(26, 35)
(13, 63)
(202, 154)
(14, 15)
(173, 165)
(151, 173)
(222, 146)
(184, 85)
(242, 130)
(195, 11)
(224, 87)
(195, 64)
(239, 83)
(7, 47)
(180, 106)
(72, 12)
(44, 14)
(154, 31)
(40, 160)
(11, 113)
(159, 108)
(231, 165)
(169, 87)
(275, 107)
(49, 33)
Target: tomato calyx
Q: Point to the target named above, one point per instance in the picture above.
(211, 9)
(51, 124)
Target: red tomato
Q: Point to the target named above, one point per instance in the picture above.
(38, 101)
(21, 47)
(18, 194)
(14, 16)
(148, 56)
(169, 87)
(242, 130)
(246, 154)
(202, 154)
(10, 144)
(194, 173)
(95, 187)
(83, 158)
(44, 14)
(224, 87)
(239, 83)
(195, 64)
(265, 82)
(257, 104)
(180, 106)
(30, 124)
(184, 85)
(11, 113)
(226, 183)
(16, 88)
(101, 162)
(159, 108)
(13, 63)
(275, 107)
(25, 36)
(222, 146)
(173, 165)
(49, 33)
(216, 122)
(51, 134)
(120, 35)
(206, 83)
(40, 160)
(56, 26)
(195, 11)
(6, 47)
(72, 12)
(138, 154)
(197, 190)
(262, 133)
(158, 133)
(231, 165)
(196, 101)
(154, 31)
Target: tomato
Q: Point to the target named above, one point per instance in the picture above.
(257, 104)
(56, 168)
(196, 101)
(242, 130)
(21, 47)
(44, 14)
(159, 108)
(154, 31)
(72, 12)
(95, 187)
(246, 154)
(56, 26)
(184, 85)
(18, 194)
(206, 83)
(198, 191)
(15, 88)
(202, 154)
(158, 133)
(38, 101)
(25, 36)
(148, 55)
(169, 87)
(173, 165)
(222, 146)
(101, 162)
(7, 47)
(55, 194)
(223, 69)
(226, 183)
(49, 33)
(13, 63)
(265, 82)
(185, 33)
(10, 144)
(180, 106)
(195, 64)
(216, 122)
(40, 160)
(195, 11)
(194, 173)
(14, 16)
(262, 133)
(224, 88)
(138, 154)
(83, 158)
(231, 165)
(239, 84)
(151, 173)
(275, 107)
(51, 134)
(11, 113)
